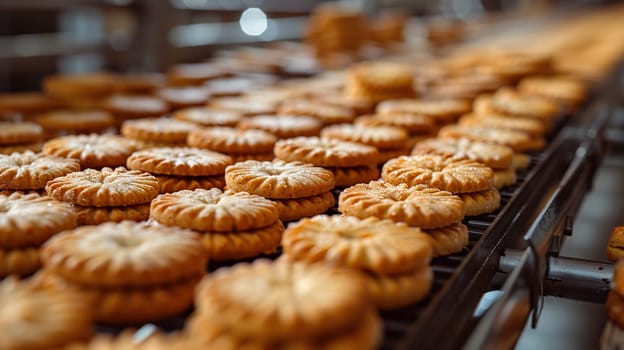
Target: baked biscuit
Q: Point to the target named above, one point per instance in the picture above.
(326, 113)
(279, 179)
(214, 210)
(169, 184)
(242, 106)
(260, 157)
(482, 202)
(386, 155)
(19, 261)
(374, 76)
(21, 148)
(30, 219)
(517, 140)
(76, 120)
(615, 308)
(419, 205)
(12, 133)
(99, 215)
(325, 152)
(184, 96)
(26, 103)
(377, 246)
(530, 126)
(283, 126)
(615, 247)
(506, 177)
(81, 88)
(181, 161)
(567, 90)
(126, 254)
(208, 117)
(104, 188)
(157, 129)
(521, 161)
(227, 246)
(412, 123)
(30, 171)
(391, 292)
(492, 155)
(232, 141)
(449, 239)
(135, 106)
(443, 111)
(511, 102)
(345, 177)
(381, 137)
(451, 174)
(297, 208)
(93, 151)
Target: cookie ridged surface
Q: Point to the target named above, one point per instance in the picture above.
(381, 137)
(325, 152)
(214, 210)
(125, 254)
(449, 239)
(279, 179)
(157, 129)
(391, 292)
(492, 155)
(232, 141)
(93, 151)
(283, 126)
(104, 188)
(297, 208)
(420, 205)
(181, 161)
(482, 202)
(517, 140)
(224, 246)
(29, 171)
(451, 174)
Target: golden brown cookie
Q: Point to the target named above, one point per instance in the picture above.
(104, 188)
(19, 261)
(567, 90)
(214, 210)
(615, 247)
(326, 113)
(99, 215)
(506, 177)
(205, 116)
(377, 246)
(412, 123)
(184, 97)
(26, 103)
(12, 133)
(169, 184)
(511, 102)
(261, 157)
(93, 151)
(32, 147)
(297, 208)
(382, 76)
(530, 126)
(443, 111)
(81, 88)
(492, 155)
(517, 140)
(482, 202)
(30, 171)
(451, 174)
(139, 83)
(345, 177)
(39, 317)
(381, 137)
(262, 292)
(227, 246)
(125, 254)
(194, 73)
(325, 152)
(135, 106)
(283, 126)
(30, 219)
(386, 155)
(232, 141)
(181, 161)
(449, 239)
(157, 129)
(391, 292)
(521, 161)
(615, 308)
(242, 106)
(618, 278)
(279, 179)
(419, 205)
(76, 120)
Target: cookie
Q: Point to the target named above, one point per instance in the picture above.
(615, 245)
(93, 151)
(283, 126)
(483, 202)
(569, 91)
(506, 177)
(412, 123)
(451, 174)
(99, 215)
(139, 83)
(39, 317)
(232, 141)
(377, 246)
(32, 147)
(184, 97)
(449, 239)
(419, 205)
(30, 219)
(521, 161)
(530, 126)
(104, 188)
(381, 137)
(244, 107)
(443, 111)
(228, 246)
(517, 140)
(325, 152)
(358, 105)
(26, 103)
(126, 254)
(76, 120)
(250, 299)
(181, 161)
(170, 184)
(345, 177)
(386, 155)
(326, 113)
(19, 261)
(260, 157)
(30, 171)
(208, 117)
(492, 155)
(135, 106)
(89, 86)
(19, 133)
(194, 73)
(511, 102)
(141, 145)
(392, 292)
(157, 129)
(279, 179)
(615, 308)
(381, 77)
(297, 208)
(214, 210)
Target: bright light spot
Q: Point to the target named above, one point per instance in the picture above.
(253, 21)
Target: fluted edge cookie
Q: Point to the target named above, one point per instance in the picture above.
(30, 171)
(297, 208)
(228, 246)
(448, 240)
(181, 161)
(93, 151)
(325, 152)
(482, 202)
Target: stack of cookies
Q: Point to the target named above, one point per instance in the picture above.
(334, 29)
(301, 190)
(379, 81)
(155, 132)
(106, 195)
(393, 256)
(80, 90)
(349, 161)
(239, 144)
(233, 225)
(418, 127)
(438, 213)
(443, 111)
(132, 273)
(20, 137)
(93, 150)
(245, 306)
(26, 222)
(567, 91)
(283, 126)
(64, 122)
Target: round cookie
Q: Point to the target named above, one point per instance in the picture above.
(386, 155)
(30, 219)
(32, 147)
(325, 152)
(26, 103)
(76, 120)
(260, 157)
(227, 246)
(135, 106)
(214, 210)
(482, 202)
(126, 254)
(12, 133)
(279, 179)
(451, 174)
(449, 239)
(170, 184)
(181, 161)
(412, 123)
(392, 292)
(157, 129)
(30, 171)
(324, 112)
(297, 208)
(381, 137)
(530, 126)
(283, 126)
(19, 262)
(104, 188)
(208, 117)
(345, 177)
(99, 215)
(517, 140)
(232, 141)
(504, 178)
(511, 102)
(419, 205)
(93, 151)
(491, 155)
(442, 110)
(246, 107)
(184, 97)
(567, 90)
